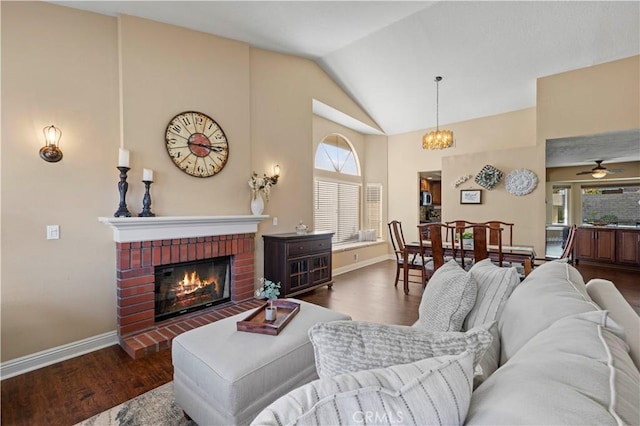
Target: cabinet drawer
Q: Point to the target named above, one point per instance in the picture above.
(297, 248)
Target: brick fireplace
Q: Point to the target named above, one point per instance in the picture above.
(142, 244)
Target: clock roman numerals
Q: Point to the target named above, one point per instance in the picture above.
(196, 144)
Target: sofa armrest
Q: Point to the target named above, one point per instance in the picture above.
(607, 296)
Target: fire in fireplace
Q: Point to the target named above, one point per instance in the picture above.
(185, 287)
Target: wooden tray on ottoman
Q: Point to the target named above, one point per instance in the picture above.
(256, 323)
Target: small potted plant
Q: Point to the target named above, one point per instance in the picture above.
(269, 290)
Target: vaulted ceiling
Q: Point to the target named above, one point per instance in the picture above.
(385, 54)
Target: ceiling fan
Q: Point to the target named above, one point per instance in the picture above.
(599, 171)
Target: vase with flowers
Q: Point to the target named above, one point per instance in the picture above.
(259, 185)
(269, 290)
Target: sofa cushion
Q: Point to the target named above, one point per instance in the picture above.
(495, 285)
(552, 291)
(429, 391)
(350, 346)
(577, 371)
(447, 299)
(490, 359)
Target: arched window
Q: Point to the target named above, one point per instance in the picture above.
(335, 154)
(337, 189)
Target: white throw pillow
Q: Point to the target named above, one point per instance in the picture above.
(495, 285)
(429, 391)
(577, 371)
(350, 346)
(447, 299)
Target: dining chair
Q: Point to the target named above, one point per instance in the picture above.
(432, 232)
(567, 252)
(480, 249)
(497, 228)
(416, 261)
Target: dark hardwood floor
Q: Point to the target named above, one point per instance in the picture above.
(76, 389)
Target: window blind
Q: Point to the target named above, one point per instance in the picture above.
(374, 207)
(337, 209)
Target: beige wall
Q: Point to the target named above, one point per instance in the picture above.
(506, 141)
(60, 66)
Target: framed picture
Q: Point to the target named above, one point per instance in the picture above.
(471, 196)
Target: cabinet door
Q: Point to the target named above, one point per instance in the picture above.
(298, 270)
(605, 245)
(628, 247)
(436, 193)
(585, 247)
(321, 268)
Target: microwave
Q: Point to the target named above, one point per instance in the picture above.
(425, 198)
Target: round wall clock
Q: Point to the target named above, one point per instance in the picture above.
(196, 144)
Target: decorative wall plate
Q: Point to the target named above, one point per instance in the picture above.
(489, 177)
(520, 182)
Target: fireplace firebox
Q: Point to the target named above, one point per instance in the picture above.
(188, 286)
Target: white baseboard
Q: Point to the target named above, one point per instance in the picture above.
(358, 265)
(41, 359)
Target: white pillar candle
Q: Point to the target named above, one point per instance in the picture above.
(147, 175)
(123, 157)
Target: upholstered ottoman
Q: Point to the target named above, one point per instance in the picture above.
(226, 377)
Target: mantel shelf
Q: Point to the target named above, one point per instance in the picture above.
(128, 229)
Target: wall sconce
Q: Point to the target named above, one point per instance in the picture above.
(51, 152)
(276, 175)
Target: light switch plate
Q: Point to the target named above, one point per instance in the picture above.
(53, 232)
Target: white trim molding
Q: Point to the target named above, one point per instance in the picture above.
(354, 266)
(127, 229)
(47, 357)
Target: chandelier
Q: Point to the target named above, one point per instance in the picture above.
(439, 139)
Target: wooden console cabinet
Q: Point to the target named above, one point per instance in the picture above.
(628, 247)
(299, 262)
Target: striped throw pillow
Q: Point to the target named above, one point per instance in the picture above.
(429, 391)
(350, 346)
(495, 285)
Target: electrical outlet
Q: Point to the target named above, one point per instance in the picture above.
(275, 221)
(355, 257)
(53, 232)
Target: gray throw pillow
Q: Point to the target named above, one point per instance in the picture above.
(349, 346)
(495, 285)
(426, 392)
(449, 296)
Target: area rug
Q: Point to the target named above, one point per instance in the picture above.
(156, 407)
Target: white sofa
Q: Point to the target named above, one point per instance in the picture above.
(569, 353)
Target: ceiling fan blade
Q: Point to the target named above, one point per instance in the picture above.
(584, 173)
(612, 171)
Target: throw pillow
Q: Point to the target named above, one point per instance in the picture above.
(495, 285)
(491, 358)
(429, 391)
(350, 346)
(447, 299)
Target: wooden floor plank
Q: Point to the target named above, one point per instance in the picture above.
(76, 389)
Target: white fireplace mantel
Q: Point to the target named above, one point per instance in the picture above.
(128, 229)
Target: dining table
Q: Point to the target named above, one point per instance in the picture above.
(523, 254)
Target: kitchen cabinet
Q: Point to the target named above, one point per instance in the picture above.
(628, 247)
(299, 262)
(596, 244)
(434, 187)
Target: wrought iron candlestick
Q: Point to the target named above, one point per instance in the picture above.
(146, 200)
(122, 187)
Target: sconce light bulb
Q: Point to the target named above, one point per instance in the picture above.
(51, 135)
(276, 170)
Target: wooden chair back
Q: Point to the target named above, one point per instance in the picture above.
(496, 232)
(457, 225)
(567, 253)
(432, 232)
(397, 238)
(480, 251)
